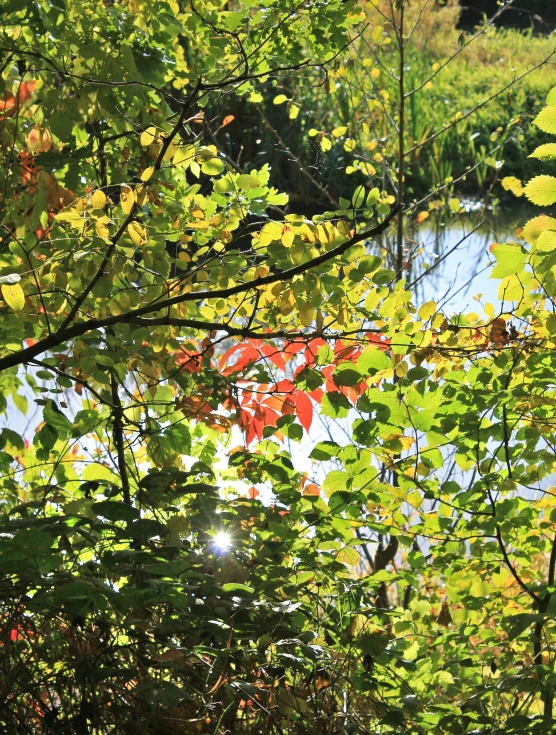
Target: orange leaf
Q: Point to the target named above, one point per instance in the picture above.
(274, 355)
(227, 120)
(422, 216)
(304, 410)
(292, 348)
(311, 489)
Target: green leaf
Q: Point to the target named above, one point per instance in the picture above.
(551, 99)
(162, 694)
(214, 167)
(542, 189)
(347, 374)
(96, 471)
(146, 528)
(510, 259)
(546, 242)
(236, 587)
(546, 151)
(372, 360)
(325, 450)
(247, 181)
(358, 197)
(369, 264)
(348, 555)
(335, 481)
(335, 405)
(383, 277)
(115, 511)
(85, 421)
(56, 419)
(546, 120)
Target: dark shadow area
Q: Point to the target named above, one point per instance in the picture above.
(540, 15)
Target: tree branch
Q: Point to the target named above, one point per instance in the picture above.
(77, 330)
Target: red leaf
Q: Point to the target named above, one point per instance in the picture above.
(304, 409)
(189, 360)
(274, 355)
(287, 407)
(228, 354)
(317, 395)
(378, 339)
(249, 355)
(292, 348)
(284, 386)
(343, 352)
(270, 416)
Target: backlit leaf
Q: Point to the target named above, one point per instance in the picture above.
(546, 120)
(13, 296)
(542, 189)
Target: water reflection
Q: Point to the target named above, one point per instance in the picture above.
(452, 256)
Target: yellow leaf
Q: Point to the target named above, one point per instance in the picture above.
(535, 227)
(262, 271)
(287, 237)
(287, 303)
(270, 232)
(455, 205)
(306, 314)
(513, 184)
(137, 233)
(217, 220)
(293, 112)
(99, 199)
(101, 227)
(148, 136)
(427, 310)
(184, 156)
(147, 173)
(206, 153)
(13, 296)
(348, 555)
(127, 199)
(171, 150)
(140, 195)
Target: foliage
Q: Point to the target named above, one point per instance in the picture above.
(166, 565)
(345, 128)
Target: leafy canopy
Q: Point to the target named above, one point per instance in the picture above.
(165, 565)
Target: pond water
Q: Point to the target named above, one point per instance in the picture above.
(458, 257)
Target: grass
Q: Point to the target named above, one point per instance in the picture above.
(361, 95)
